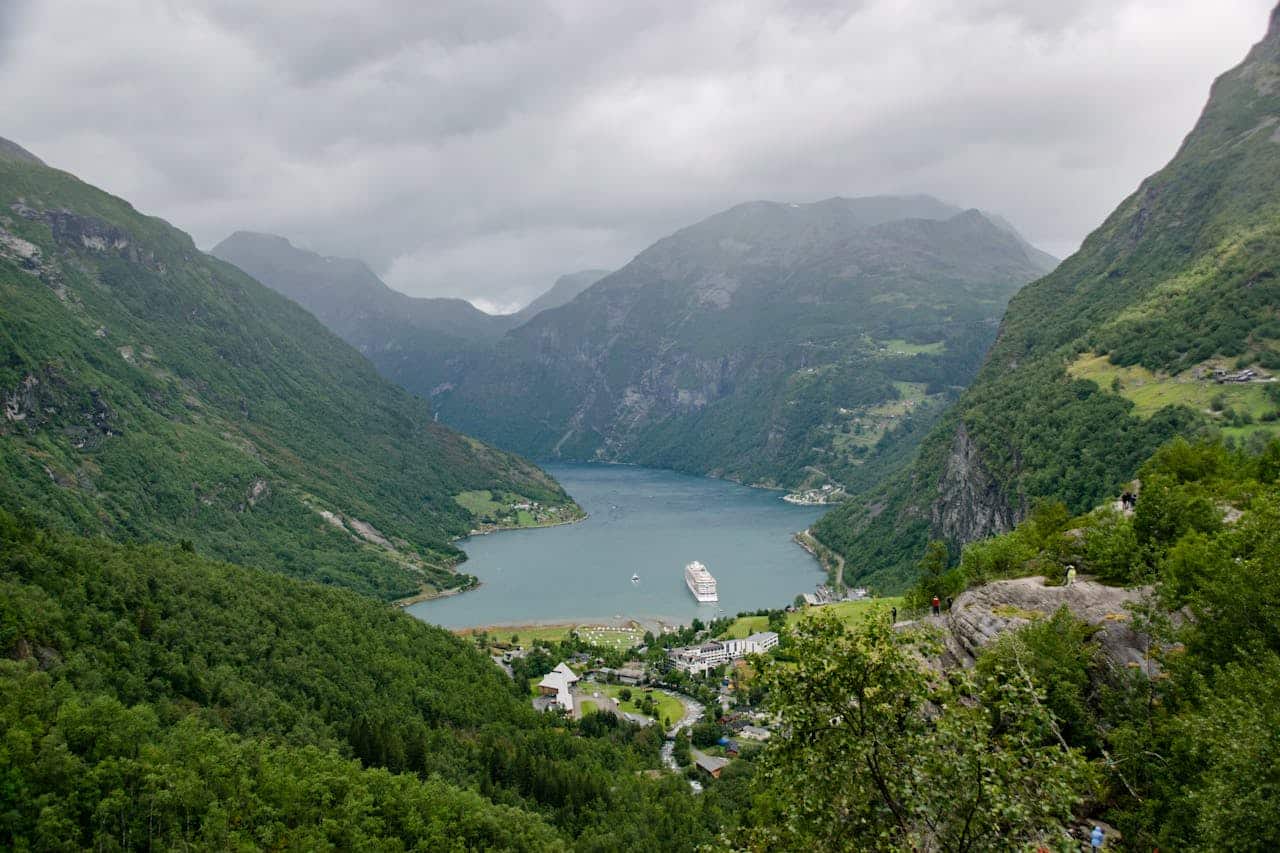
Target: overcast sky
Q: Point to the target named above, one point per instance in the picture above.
(480, 148)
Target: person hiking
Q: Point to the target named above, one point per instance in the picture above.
(948, 604)
(1071, 575)
(937, 606)
(1097, 838)
(895, 616)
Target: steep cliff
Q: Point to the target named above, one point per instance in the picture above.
(970, 504)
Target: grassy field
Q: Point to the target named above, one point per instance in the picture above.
(744, 626)
(610, 637)
(525, 634)
(849, 612)
(870, 423)
(669, 707)
(480, 502)
(606, 636)
(897, 346)
(586, 706)
(485, 504)
(1151, 392)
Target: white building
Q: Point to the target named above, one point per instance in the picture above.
(698, 659)
(559, 683)
(754, 733)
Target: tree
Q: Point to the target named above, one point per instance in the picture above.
(625, 694)
(934, 578)
(873, 747)
(681, 752)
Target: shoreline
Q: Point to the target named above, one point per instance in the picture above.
(615, 622)
(801, 538)
(509, 529)
(834, 570)
(432, 594)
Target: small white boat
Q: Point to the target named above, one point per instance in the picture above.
(635, 579)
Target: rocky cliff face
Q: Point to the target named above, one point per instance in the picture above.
(970, 504)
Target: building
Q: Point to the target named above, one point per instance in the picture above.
(709, 764)
(696, 660)
(756, 644)
(753, 733)
(631, 673)
(558, 684)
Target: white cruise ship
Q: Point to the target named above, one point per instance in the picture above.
(700, 581)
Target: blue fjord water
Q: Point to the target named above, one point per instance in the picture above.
(640, 521)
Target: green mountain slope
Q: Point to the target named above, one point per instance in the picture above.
(1102, 360)
(415, 342)
(154, 699)
(153, 392)
(771, 343)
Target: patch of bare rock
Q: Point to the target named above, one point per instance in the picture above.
(979, 616)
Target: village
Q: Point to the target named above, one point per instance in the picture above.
(698, 683)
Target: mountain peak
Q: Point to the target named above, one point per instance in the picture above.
(243, 236)
(10, 150)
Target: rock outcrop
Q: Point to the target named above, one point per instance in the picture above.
(981, 615)
(970, 503)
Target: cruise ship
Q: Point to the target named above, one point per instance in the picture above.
(700, 581)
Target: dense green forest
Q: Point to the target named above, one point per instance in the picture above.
(152, 392)
(154, 698)
(1046, 733)
(1111, 354)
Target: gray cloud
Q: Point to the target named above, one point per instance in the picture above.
(479, 148)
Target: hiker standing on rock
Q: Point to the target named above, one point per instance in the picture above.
(937, 606)
(1071, 575)
(1097, 838)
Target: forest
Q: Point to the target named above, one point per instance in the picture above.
(155, 698)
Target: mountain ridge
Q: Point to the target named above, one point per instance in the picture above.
(411, 340)
(720, 324)
(152, 392)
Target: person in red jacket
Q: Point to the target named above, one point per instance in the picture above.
(937, 606)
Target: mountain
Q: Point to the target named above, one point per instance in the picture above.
(566, 288)
(771, 343)
(1116, 350)
(152, 392)
(414, 341)
(409, 339)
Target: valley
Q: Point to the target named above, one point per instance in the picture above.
(850, 524)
